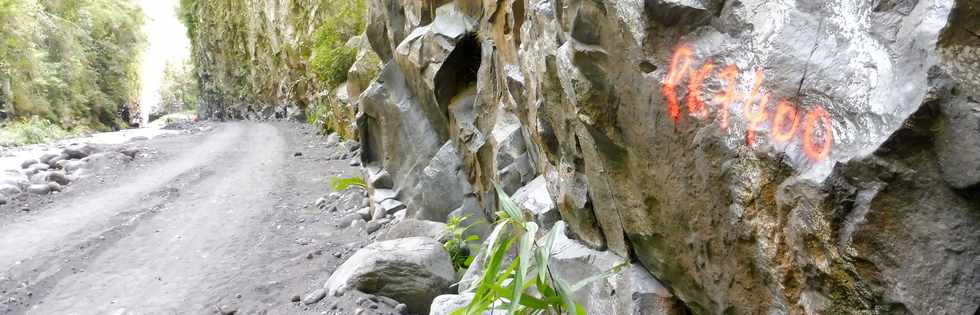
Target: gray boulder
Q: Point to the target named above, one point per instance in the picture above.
(631, 291)
(535, 198)
(379, 178)
(411, 270)
(365, 213)
(390, 206)
(447, 303)
(412, 228)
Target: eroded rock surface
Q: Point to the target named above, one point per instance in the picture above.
(730, 212)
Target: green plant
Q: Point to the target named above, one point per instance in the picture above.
(457, 243)
(74, 63)
(331, 56)
(344, 183)
(527, 284)
(32, 131)
(179, 90)
(332, 115)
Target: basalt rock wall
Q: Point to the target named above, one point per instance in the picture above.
(805, 157)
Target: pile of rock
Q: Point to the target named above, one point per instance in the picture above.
(51, 172)
(343, 149)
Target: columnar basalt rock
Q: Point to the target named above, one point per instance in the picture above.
(574, 92)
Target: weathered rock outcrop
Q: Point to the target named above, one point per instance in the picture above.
(754, 156)
(778, 157)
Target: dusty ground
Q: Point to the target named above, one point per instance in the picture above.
(218, 221)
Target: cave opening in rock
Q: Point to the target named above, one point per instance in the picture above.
(458, 73)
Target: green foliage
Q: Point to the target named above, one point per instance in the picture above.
(74, 63)
(458, 244)
(331, 115)
(172, 118)
(185, 12)
(526, 285)
(344, 183)
(179, 90)
(286, 52)
(331, 56)
(32, 131)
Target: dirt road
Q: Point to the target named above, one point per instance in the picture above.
(216, 222)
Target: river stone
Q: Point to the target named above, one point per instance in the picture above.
(9, 191)
(70, 166)
(79, 151)
(57, 177)
(37, 167)
(27, 163)
(333, 139)
(14, 177)
(39, 189)
(39, 178)
(54, 186)
(365, 213)
(411, 270)
(314, 296)
(48, 157)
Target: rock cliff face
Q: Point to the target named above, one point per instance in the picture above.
(257, 59)
(779, 157)
(755, 156)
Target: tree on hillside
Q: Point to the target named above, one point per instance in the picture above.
(178, 90)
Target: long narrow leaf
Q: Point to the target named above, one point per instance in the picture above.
(566, 295)
(525, 256)
(508, 206)
(544, 251)
(341, 183)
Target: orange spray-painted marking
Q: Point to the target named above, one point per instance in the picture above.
(730, 76)
(679, 66)
(784, 110)
(811, 149)
(695, 105)
(817, 136)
